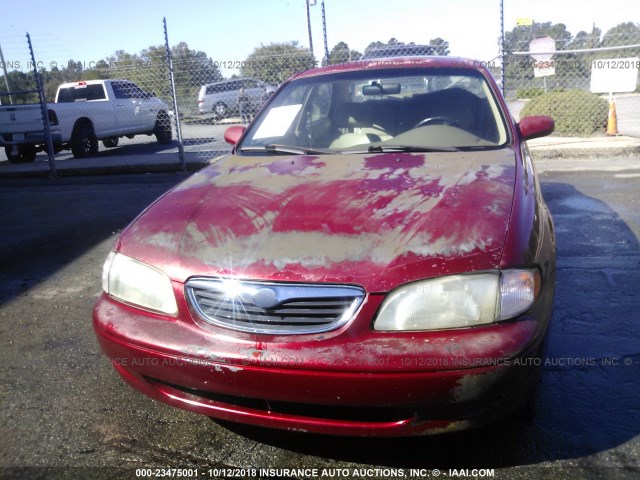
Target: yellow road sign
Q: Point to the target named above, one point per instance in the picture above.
(524, 22)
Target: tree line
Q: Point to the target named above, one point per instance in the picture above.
(272, 63)
(148, 69)
(275, 62)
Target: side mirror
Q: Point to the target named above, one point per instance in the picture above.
(536, 126)
(233, 134)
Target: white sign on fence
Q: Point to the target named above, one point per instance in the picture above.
(541, 50)
(544, 68)
(614, 75)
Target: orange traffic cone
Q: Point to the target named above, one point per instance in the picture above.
(612, 122)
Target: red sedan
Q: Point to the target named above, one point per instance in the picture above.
(374, 258)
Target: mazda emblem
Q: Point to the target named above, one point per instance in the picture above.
(265, 298)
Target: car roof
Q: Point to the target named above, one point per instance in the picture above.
(232, 80)
(399, 62)
(92, 82)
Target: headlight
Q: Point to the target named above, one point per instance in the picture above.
(139, 284)
(459, 301)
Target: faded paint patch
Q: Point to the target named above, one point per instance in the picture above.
(394, 161)
(474, 386)
(454, 426)
(296, 165)
(353, 215)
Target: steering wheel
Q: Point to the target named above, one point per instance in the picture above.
(436, 121)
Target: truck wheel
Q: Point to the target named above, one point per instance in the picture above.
(83, 141)
(162, 130)
(25, 154)
(110, 142)
(220, 110)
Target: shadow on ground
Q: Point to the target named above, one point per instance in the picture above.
(50, 223)
(587, 400)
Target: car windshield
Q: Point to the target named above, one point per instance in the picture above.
(410, 109)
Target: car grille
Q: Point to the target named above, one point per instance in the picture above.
(273, 308)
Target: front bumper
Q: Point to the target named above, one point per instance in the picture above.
(349, 382)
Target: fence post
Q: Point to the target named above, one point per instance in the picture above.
(172, 83)
(45, 112)
(6, 77)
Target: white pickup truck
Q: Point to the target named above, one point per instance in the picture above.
(84, 113)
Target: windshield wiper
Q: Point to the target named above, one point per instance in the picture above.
(277, 148)
(408, 148)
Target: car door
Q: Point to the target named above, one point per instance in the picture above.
(135, 111)
(85, 100)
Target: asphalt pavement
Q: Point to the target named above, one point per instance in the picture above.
(65, 413)
(150, 157)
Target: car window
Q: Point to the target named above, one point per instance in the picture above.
(135, 91)
(320, 102)
(81, 93)
(251, 84)
(211, 89)
(410, 107)
(66, 95)
(295, 95)
(124, 90)
(119, 90)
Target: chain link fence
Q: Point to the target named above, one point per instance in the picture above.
(117, 105)
(576, 80)
(174, 103)
(25, 106)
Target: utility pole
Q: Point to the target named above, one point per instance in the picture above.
(309, 24)
(324, 33)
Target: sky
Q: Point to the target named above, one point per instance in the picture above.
(229, 30)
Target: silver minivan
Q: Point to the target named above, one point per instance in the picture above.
(221, 98)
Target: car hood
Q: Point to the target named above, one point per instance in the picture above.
(377, 220)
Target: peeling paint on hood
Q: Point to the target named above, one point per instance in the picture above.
(378, 220)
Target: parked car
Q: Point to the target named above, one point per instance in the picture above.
(84, 113)
(364, 262)
(390, 51)
(221, 98)
(22, 131)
